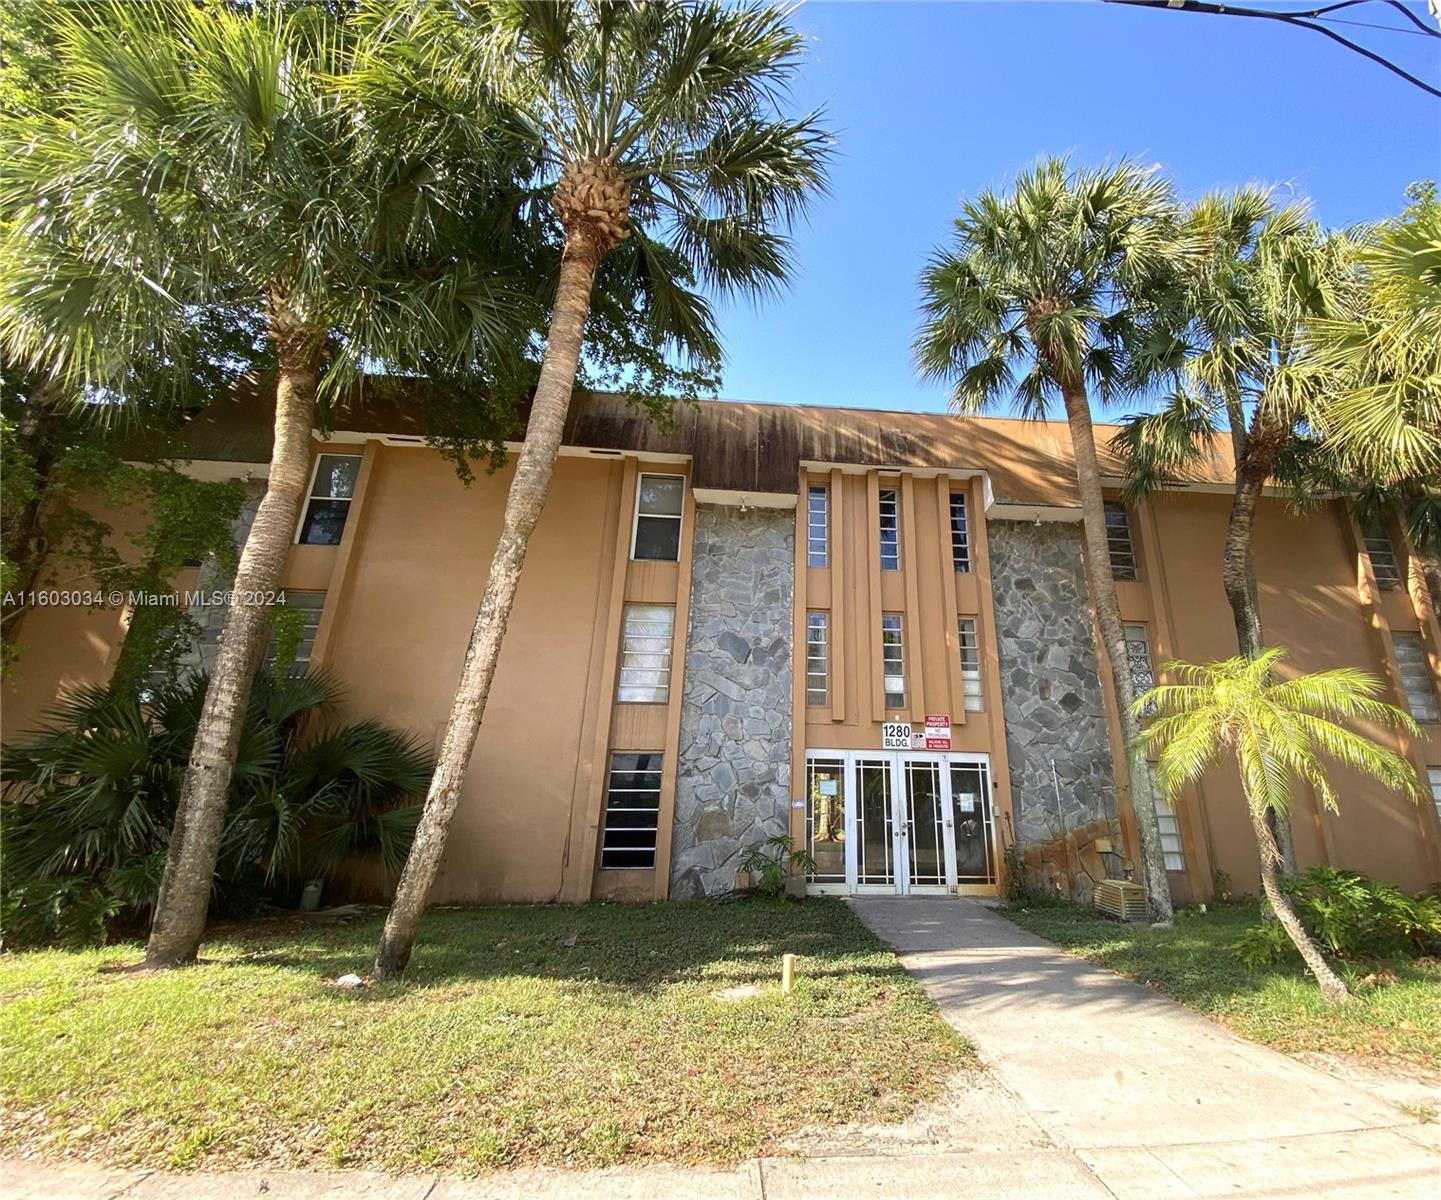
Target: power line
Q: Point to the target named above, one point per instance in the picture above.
(1311, 19)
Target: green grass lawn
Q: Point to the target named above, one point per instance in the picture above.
(1193, 963)
(570, 1036)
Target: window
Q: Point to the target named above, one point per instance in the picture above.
(960, 535)
(632, 812)
(893, 660)
(645, 654)
(890, 518)
(818, 665)
(1138, 661)
(1170, 830)
(970, 664)
(331, 491)
(659, 500)
(1382, 554)
(310, 605)
(1416, 679)
(1118, 539)
(1434, 775)
(817, 527)
(826, 818)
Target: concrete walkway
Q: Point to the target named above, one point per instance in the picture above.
(1097, 1089)
(1153, 1099)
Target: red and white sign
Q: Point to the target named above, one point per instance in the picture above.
(938, 731)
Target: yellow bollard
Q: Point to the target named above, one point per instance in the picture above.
(788, 974)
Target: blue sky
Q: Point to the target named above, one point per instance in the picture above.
(933, 101)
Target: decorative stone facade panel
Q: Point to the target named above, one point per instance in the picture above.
(1050, 691)
(733, 775)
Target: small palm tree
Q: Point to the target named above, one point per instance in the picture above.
(1044, 294)
(665, 155)
(1278, 733)
(203, 159)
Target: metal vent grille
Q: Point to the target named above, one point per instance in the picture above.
(1121, 899)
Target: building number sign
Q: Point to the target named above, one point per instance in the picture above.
(896, 735)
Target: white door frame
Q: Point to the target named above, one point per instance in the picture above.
(900, 843)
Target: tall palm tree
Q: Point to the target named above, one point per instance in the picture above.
(1278, 733)
(203, 157)
(1055, 279)
(1380, 357)
(665, 149)
(1254, 273)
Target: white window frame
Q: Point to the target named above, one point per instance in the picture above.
(654, 830)
(1418, 686)
(960, 554)
(636, 515)
(310, 488)
(824, 536)
(1138, 633)
(818, 697)
(1126, 573)
(895, 493)
(899, 660)
(968, 634)
(1433, 776)
(661, 691)
(1381, 554)
(1168, 825)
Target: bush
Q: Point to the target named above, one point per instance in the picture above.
(1349, 916)
(88, 804)
(767, 864)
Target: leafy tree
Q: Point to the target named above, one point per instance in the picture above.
(1046, 292)
(1254, 274)
(663, 157)
(205, 157)
(1381, 354)
(1278, 732)
(90, 800)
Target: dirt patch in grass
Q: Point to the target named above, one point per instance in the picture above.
(1396, 1024)
(521, 1035)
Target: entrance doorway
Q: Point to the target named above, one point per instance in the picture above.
(899, 823)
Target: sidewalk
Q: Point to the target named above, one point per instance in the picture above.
(1096, 1089)
(1154, 1099)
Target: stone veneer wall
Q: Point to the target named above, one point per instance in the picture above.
(1050, 691)
(733, 775)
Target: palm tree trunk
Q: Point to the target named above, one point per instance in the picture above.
(184, 896)
(1330, 983)
(1113, 634)
(1238, 572)
(523, 506)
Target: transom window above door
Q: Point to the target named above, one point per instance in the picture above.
(659, 502)
(332, 488)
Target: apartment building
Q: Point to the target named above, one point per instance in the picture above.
(868, 630)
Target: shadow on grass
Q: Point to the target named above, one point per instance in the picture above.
(637, 949)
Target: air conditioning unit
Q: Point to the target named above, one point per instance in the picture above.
(1121, 899)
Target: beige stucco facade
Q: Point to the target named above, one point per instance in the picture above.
(400, 589)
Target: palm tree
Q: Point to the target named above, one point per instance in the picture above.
(1253, 274)
(1385, 415)
(203, 158)
(1057, 278)
(664, 149)
(1381, 356)
(1277, 733)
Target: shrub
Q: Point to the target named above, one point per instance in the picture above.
(1349, 916)
(89, 803)
(1018, 889)
(768, 863)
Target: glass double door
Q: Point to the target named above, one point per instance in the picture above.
(899, 822)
